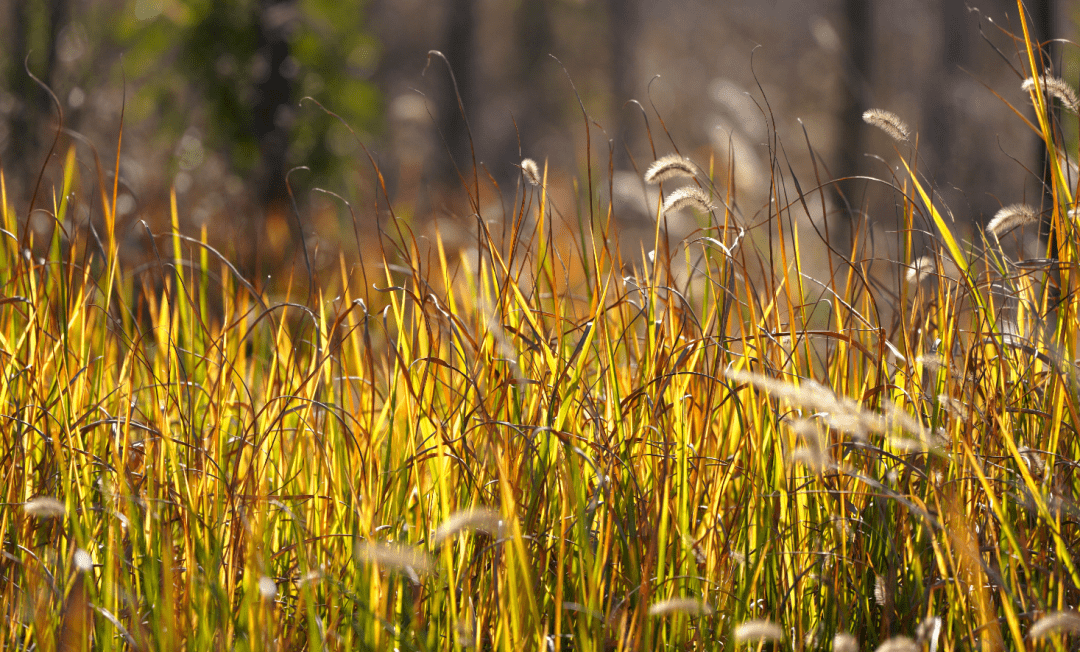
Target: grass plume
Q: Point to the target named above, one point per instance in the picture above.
(888, 122)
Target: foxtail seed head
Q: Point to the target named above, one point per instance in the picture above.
(671, 166)
(888, 122)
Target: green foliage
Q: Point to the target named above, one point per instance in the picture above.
(198, 62)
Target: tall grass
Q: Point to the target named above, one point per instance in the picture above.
(542, 446)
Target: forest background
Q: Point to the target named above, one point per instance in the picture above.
(210, 98)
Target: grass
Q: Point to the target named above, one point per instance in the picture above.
(536, 448)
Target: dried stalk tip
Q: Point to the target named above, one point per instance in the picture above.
(1058, 622)
(688, 606)
(1055, 87)
(687, 197)
(671, 166)
(44, 507)
(1011, 217)
(888, 122)
(758, 630)
(531, 170)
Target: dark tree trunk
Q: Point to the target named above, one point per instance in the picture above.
(624, 26)
(1041, 15)
(858, 38)
(459, 46)
(34, 108)
(272, 110)
(531, 100)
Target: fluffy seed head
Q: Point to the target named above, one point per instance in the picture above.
(396, 557)
(921, 269)
(484, 520)
(671, 166)
(1058, 622)
(881, 590)
(687, 197)
(844, 642)
(888, 122)
(1011, 217)
(267, 588)
(898, 644)
(44, 507)
(1055, 87)
(928, 631)
(531, 170)
(758, 630)
(82, 561)
(688, 606)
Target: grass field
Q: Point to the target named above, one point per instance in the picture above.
(486, 454)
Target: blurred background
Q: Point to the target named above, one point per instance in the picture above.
(211, 96)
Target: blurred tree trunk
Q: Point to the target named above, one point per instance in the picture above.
(459, 46)
(271, 115)
(534, 106)
(938, 138)
(857, 33)
(1041, 14)
(272, 110)
(624, 26)
(34, 108)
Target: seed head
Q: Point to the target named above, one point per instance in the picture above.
(1011, 217)
(888, 122)
(82, 561)
(531, 170)
(267, 588)
(898, 644)
(484, 520)
(396, 557)
(758, 630)
(688, 606)
(44, 507)
(687, 197)
(844, 642)
(671, 166)
(921, 269)
(1058, 622)
(1055, 87)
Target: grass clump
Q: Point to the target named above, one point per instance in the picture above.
(543, 446)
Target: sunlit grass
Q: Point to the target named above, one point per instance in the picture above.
(519, 451)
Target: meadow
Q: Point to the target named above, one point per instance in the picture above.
(543, 446)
